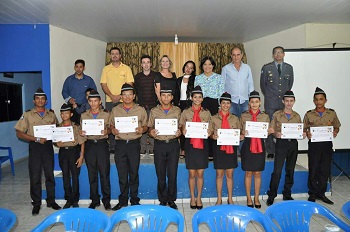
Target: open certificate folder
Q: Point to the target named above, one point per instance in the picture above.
(126, 124)
(63, 134)
(292, 131)
(197, 130)
(228, 137)
(93, 126)
(321, 133)
(166, 126)
(256, 129)
(44, 131)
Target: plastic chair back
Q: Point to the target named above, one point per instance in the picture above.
(291, 216)
(5, 158)
(148, 218)
(7, 220)
(78, 220)
(346, 209)
(228, 218)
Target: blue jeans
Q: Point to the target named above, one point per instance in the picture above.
(238, 109)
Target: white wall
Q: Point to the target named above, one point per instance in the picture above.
(65, 48)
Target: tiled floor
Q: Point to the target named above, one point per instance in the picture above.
(14, 192)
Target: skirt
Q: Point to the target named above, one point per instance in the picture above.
(196, 158)
(223, 160)
(252, 162)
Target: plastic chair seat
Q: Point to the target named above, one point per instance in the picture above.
(5, 158)
(346, 209)
(7, 220)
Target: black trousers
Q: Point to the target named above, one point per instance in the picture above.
(286, 150)
(320, 160)
(127, 161)
(212, 104)
(70, 172)
(166, 159)
(41, 157)
(97, 162)
(270, 144)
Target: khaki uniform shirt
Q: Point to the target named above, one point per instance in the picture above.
(102, 115)
(158, 113)
(216, 122)
(187, 116)
(328, 118)
(136, 110)
(246, 116)
(279, 117)
(77, 138)
(32, 118)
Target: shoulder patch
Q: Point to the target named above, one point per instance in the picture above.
(28, 110)
(52, 110)
(330, 109)
(308, 111)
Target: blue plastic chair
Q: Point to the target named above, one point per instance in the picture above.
(346, 209)
(228, 218)
(7, 220)
(5, 158)
(78, 220)
(291, 216)
(148, 218)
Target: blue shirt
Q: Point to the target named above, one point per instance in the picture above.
(212, 86)
(238, 83)
(75, 88)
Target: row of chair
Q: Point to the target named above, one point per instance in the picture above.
(284, 216)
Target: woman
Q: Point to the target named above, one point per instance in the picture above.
(196, 149)
(225, 156)
(166, 78)
(185, 85)
(253, 149)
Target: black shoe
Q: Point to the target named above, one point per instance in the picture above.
(36, 210)
(257, 206)
(54, 206)
(67, 205)
(172, 204)
(135, 203)
(325, 200)
(111, 151)
(118, 206)
(107, 206)
(270, 201)
(287, 198)
(312, 198)
(251, 206)
(75, 205)
(93, 205)
(163, 203)
(210, 158)
(270, 156)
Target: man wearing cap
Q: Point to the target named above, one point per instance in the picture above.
(286, 149)
(320, 153)
(166, 149)
(96, 153)
(127, 148)
(41, 154)
(276, 78)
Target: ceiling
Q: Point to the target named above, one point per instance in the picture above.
(160, 20)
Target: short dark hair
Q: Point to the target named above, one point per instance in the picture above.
(204, 59)
(88, 90)
(79, 61)
(194, 67)
(146, 57)
(115, 48)
(324, 94)
(278, 47)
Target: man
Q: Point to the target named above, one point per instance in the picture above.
(74, 88)
(127, 149)
(286, 149)
(276, 78)
(113, 77)
(238, 82)
(166, 149)
(146, 97)
(320, 153)
(41, 154)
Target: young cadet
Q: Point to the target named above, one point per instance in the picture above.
(70, 156)
(320, 153)
(127, 147)
(41, 154)
(97, 154)
(286, 149)
(166, 149)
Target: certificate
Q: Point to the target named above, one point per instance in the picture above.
(228, 137)
(126, 124)
(321, 133)
(197, 130)
(44, 131)
(93, 126)
(166, 126)
(63, 134)
(292, 130)
(256, 129)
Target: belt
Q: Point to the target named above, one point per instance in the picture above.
(128, 141)
(96, 140)
(167, 141)
(69, 148)
(286, 140)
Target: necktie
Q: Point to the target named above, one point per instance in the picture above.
(279, 69)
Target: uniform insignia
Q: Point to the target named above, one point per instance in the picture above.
(330, 109)
(22, 117)
(308, 111)
(329, 123)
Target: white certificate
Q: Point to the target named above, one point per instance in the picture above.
(228, 137)
(93, 126)
(321, 133)
(44, 131)
(166, 126)
(126, 124)
(197, 130)
(63, 134)
(256, 129)
(292, 130)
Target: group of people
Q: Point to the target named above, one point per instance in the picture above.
(225, 101)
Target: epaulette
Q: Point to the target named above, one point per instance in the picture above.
(77, 124)
(308, 111)
(330, 109)
(105, 110)
(28, 110)
(52, 110)
(234, 114)
(188, 107)
(205, 108)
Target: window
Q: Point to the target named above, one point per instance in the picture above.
(10, 101)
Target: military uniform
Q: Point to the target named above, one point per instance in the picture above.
(127, 154)
(319, 153)
(41, 156)
(166, 155)
(273, 87)
(286, 150)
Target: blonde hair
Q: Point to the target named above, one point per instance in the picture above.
(160, 63)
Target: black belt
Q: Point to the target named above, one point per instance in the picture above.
(69, 148)
(286, 140)
(128, 141)
(96, 141)
(167, 141)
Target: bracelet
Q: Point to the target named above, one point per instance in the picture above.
(37, 140)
